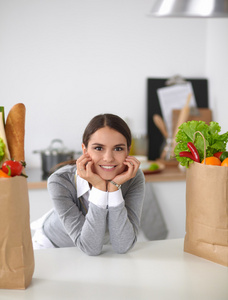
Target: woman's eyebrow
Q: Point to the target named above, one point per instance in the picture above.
(118, 145)
(97, 144)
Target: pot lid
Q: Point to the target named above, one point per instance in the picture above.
(56, 147)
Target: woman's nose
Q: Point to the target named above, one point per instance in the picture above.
(108, 156)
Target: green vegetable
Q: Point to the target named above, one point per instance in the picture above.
(2, 145)
(223, 156)
(153, 167)
(3, 116)
(215, 142)
(2, 149)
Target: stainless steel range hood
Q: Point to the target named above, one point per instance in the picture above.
(190, 9)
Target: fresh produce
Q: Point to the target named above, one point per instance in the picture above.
(3, 114)
(153, 167)
(225, 163)
(194, 151)
(12, 168)
(2, 147)
(12, 142)
(186, 154)
(224, 155)
(218, 154)
(212, 160)
(214, 141)
(4, 151)
(3, 174)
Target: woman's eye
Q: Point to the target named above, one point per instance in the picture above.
(98, 148)
(118, 149)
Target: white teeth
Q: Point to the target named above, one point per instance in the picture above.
(107, 167)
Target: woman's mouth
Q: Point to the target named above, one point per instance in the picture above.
(108, 168)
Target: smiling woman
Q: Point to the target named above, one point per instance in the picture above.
(107, 153)
(99, 199)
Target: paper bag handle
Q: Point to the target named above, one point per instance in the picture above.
(204, 144)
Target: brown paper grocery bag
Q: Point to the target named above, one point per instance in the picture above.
(207, 212)
(16, 250)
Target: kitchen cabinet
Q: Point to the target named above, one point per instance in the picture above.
(171, 199)
(40, 203)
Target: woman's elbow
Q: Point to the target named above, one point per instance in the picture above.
(123, 248)
(90, 251)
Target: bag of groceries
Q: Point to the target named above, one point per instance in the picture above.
(202, 150)
(16, 250)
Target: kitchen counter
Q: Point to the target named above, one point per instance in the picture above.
(169, 174)
(151, 270)
(35, 179)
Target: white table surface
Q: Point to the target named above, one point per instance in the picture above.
(151, 270)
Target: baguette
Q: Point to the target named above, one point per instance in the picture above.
(15, 131)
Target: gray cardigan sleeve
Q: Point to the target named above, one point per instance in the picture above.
(124, 219)
(88, 232)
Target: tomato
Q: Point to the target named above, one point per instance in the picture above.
(224, 155)
(217, 154)
(12, 168)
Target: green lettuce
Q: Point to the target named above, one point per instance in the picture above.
(2, 149)
(215, 142)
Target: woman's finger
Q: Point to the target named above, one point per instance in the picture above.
(82, 162)
(132, 168)
(133, 161)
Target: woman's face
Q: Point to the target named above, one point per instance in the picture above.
(108, 150)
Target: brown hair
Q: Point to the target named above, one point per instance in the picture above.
(110, 120)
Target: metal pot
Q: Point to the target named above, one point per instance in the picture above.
(54, 155)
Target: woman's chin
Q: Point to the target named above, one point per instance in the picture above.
(107, 175)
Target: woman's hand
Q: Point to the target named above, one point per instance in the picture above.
(132, 166)
(85, 171)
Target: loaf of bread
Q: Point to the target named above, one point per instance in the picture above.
(15, 131)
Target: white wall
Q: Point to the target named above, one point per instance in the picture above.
(69, 60)
(217, 69)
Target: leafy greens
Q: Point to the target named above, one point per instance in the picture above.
(215, 142)
(2, 149)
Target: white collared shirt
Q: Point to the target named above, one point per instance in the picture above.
(99, 198)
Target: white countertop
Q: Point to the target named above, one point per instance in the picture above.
(154, 270)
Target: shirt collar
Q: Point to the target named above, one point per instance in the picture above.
(82, 186)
